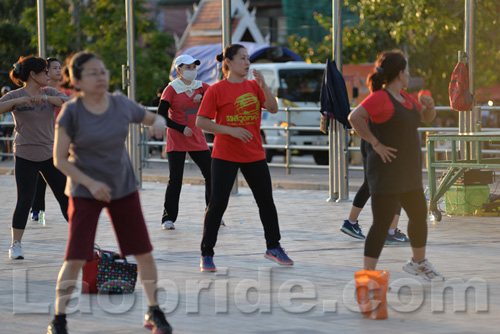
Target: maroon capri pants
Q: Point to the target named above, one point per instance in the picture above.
(128, 223)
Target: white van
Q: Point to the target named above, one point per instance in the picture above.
(295, 84)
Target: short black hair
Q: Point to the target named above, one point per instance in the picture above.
(77, 62)
(51, 60)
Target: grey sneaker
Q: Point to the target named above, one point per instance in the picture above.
(423, 269)
(16, 251)
(168, 225)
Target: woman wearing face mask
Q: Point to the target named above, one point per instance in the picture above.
(32, 107)
(179, 105)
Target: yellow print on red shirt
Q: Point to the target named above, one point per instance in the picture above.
(247, 110)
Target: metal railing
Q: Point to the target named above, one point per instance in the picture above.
(5, 140)
(288, 148)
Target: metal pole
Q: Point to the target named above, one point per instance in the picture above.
(226, 40)
(463, 120)
(333, 193)
(226, 22)
(472, 64)
(342, 133)
(472, 72)
(338, 171)
(288, 153)
(471, 51)
(133, 137)
(466, 120)
(42, 32)
(469, 41)
(333, 186)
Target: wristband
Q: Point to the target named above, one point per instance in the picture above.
(378, 142)
(45, 97)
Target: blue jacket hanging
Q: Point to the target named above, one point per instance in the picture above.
(333, 96)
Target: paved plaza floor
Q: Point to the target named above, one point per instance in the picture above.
(250, 294)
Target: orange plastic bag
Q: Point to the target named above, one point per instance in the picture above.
(371, 290)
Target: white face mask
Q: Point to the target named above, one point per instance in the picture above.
(189, 75)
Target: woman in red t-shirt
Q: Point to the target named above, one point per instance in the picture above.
(179, 105)
(235, 104)
(393, 164)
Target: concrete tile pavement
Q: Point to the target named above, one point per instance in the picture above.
(250, 294)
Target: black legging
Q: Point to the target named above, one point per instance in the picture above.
(383, 208)
(363, 195)
(39, 200)
(26, 176)
(259, 180)
(176, 166)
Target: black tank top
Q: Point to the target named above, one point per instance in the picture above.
(400, 132)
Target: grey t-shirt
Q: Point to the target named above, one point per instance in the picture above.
(34, 125)
(98, 144)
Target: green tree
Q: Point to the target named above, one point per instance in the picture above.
(12, 36)
(432, 32)
(10, 10)
(100, 26)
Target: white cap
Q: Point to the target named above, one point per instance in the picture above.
(185, 59)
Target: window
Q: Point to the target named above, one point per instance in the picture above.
(301, 84)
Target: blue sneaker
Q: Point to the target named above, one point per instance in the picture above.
(398, 238)
(353, 230)
(207, 263)
(278, 255)
(34, 214)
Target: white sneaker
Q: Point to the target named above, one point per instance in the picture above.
(424, 270)
(16, 251)
(168, 225)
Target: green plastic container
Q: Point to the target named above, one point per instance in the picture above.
(465, 200)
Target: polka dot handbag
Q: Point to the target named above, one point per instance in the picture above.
(116, 275)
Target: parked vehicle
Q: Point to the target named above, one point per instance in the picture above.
(294, 82)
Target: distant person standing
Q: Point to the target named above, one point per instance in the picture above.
(6, 130)
(65, 86)
(155, 102)
(388, 120)
(55, 75)
(32, 107)
(235, 104)
(90, 149)
(179, 105)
